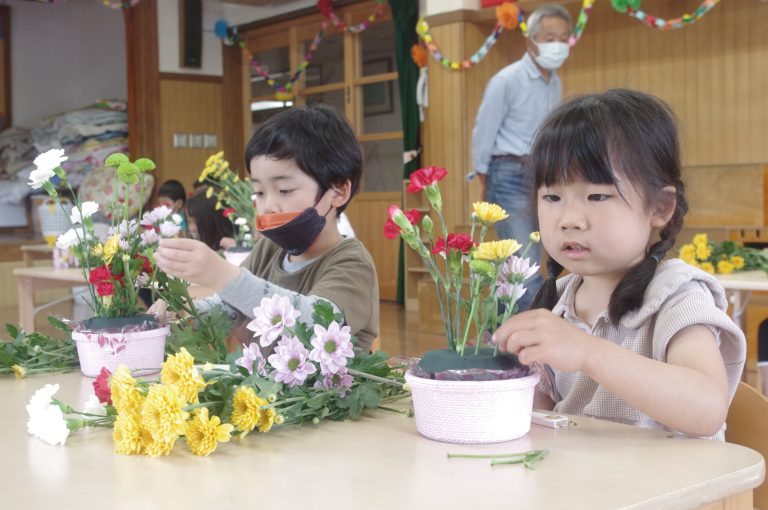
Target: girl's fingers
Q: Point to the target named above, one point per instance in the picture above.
(530, 355)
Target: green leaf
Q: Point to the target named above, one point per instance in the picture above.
(58, 324)
(12, 330)
(116, 159)
(324, 314)
(145, 164)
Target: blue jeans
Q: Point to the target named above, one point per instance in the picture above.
(510, 185)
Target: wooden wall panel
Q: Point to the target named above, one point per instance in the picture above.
(189, 106)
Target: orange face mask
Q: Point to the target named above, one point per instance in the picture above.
(274, 220)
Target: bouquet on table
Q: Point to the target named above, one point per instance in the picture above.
(314, 374)
(234, 197)
(722, 258)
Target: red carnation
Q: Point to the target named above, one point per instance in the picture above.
(101, 386)
(228, 211)
(146, 265)
(105, 289)
(424, 177)
(100, 274)
(461, 242)
(391, 230)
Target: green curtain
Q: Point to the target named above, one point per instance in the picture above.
(405, 14)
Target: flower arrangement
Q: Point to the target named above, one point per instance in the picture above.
(313, 375)
(722, 258)
(496, 275)
(118, 266)
(234, 197)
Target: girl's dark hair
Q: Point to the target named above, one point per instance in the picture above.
(619, 131)
(211, 224)
(319, 139)
(172, 189)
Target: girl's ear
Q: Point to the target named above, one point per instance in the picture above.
(341, 194)
(664, 207)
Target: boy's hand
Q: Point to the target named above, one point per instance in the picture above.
(539, 335)
(195, 262)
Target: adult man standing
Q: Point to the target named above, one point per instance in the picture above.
(515, 103)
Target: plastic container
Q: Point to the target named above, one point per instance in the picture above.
(139, 350)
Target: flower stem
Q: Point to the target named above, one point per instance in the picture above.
(376, 378)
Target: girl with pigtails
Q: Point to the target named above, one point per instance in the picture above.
(626, 336)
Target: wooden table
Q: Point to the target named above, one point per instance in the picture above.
(739, 286)
(378, 462)
(30, 279)
(32, 252)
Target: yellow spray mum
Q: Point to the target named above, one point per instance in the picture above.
(496, 250)
(126, 395)
(111, 247)
(179, 372)
(19, 372)
(688, 253)
(246, 409)
(702, 251)
(708, 267)
(154, 448)
(738, 262)
(97, 250)
(489, 213)
(163, 414)
(724, 267)
(209, 192)
(127, 434)
(204, 433)
(267, 419)
(700, 240)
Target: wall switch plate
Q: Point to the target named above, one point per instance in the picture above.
(195, 140)
(179, 140)
(211, 140)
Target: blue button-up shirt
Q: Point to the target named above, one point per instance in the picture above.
(515, 103)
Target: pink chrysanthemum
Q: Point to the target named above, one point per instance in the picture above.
(271, 318)
(252, 357)
(332, 347)
(291, 362)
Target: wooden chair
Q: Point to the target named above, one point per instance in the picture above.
(747, 425)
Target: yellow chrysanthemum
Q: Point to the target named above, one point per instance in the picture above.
(127, 434)
(209, 192)
(535, 237)
(111, 247)
(703, 251)
(179, 372)
(708, 267)
(154, 448)
(212, 160)
(738, 262)
(163, 414)
(203, 433)
(126, 396)
(496, 250)
(19, 372)
(688, 254)
(700, 240)
(724, 267)
(204, 174)
(267, 419)
(489, 213)
(246, 409)
(97, 250)
(219, 206)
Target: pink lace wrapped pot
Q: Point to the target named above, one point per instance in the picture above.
(143, 350)
(473, 411)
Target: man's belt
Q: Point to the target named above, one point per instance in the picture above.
(523, 160)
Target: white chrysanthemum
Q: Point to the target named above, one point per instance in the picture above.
(177, 219)
(169, 229)
(88, 210)
(156, 215)
(241, 221)
(149, 237)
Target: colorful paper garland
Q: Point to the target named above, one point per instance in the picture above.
(326, 10)
(682, 21)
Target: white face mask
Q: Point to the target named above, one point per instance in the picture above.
(552, 54)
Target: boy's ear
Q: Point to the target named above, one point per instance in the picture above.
(341, 194)
(665, 207)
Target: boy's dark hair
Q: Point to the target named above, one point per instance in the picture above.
(590, 137)
(172, 189)
(212, 226)
(319, 139)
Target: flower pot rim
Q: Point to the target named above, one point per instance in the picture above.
(85, 335)
(526, 380)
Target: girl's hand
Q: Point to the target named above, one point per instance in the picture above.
(195, 262)
(539, 335)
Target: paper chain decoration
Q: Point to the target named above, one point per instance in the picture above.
(630, 7)
(326, 10)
